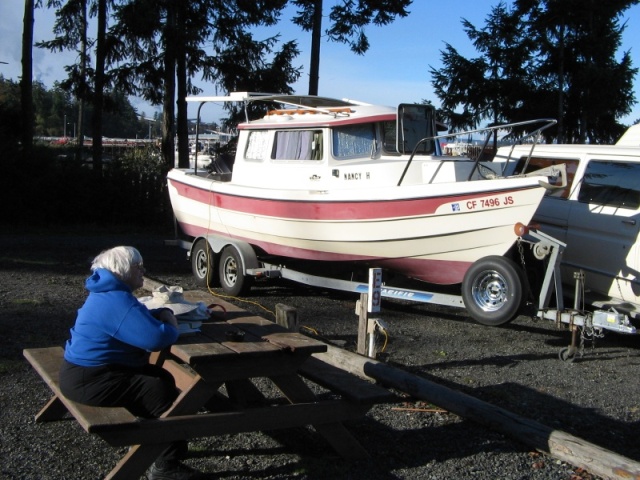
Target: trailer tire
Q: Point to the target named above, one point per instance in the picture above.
(203, 264)
(233, 280)
(492, 290)
(568, 354)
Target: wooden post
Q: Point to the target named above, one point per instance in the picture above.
(363, 323)
(558, 444)
(287, 317)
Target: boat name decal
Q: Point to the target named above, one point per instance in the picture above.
(357, 176)
(492, 202)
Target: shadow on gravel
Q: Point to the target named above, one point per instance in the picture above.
(431, 441)
(586, 423)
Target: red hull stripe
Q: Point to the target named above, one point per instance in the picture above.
(319, 210)
(441, 272)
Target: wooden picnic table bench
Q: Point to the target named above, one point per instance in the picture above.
(201, 363)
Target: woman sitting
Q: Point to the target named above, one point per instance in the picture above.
(106, 360)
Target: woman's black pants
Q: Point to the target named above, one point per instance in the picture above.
(145, 391)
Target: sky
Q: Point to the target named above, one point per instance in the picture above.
(395, 69)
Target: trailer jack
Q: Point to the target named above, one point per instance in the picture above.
(587, 324)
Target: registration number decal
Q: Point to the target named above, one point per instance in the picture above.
(482, 203)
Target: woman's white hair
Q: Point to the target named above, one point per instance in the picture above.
(118, 260)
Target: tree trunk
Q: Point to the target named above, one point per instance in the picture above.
(560, 137)
(181, 74)
(26, 85)
(83, 87)
(316, 36)
(98, 97)
(168, 111)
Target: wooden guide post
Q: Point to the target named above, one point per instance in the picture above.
(363, 320)
(369, 303)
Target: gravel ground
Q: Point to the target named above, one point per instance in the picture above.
(515, 367)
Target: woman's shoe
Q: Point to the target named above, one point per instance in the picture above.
(170, 471)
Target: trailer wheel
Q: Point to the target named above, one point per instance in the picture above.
(492, 290)
(568, 354)
(231, 272)
(203, 264)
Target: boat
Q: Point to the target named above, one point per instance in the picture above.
(342, 182)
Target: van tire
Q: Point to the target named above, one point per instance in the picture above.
(492, 290)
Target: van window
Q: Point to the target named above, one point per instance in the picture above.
(297, 145)
(354, 141)
(614, 184)
(257, 145)
(536, 163)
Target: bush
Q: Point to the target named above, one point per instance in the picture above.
(53, 188)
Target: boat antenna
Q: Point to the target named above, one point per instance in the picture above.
(246, 109)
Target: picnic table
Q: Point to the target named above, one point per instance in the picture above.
(203, 362)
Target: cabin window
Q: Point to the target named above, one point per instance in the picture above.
(389, 137)
(354, 141)
(257, 145)
(297, 145)
(538, 163)
(614, 184)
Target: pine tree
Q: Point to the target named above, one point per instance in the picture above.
(348, 20)
(543, 58)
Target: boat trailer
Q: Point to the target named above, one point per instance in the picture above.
(582, 323)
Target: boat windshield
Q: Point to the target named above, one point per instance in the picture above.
(415, 123)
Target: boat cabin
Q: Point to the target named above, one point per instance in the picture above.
(333, 144)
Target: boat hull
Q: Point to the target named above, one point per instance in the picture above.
(421, 231)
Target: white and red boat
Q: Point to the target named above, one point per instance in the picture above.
(319, 179)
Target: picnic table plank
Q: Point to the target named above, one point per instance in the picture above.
(278, 417)
(47, 362)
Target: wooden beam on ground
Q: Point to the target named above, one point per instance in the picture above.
(558, 444)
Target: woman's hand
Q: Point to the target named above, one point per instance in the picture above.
(166, 316)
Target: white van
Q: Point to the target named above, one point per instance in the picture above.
(597, 215)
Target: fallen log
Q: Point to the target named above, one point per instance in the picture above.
(558, 444)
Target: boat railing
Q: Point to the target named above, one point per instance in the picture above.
(475, 152)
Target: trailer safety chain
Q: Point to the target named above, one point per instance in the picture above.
(620, 289)
(589, 333)
(529, 292)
